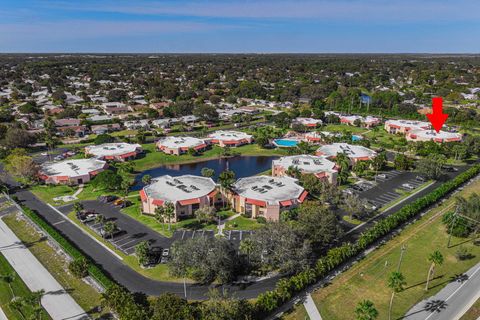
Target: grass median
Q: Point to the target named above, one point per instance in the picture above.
(84, 294)
(368, 278)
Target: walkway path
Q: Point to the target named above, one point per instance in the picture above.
(311, 308)
(222, 223)
(2, 315)
(57, 302)
(451, 302)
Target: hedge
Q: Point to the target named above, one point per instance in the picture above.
(93, 270)
(287, 287)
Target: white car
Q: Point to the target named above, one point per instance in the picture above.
(408, 186)
(165, 252)
(382, 176)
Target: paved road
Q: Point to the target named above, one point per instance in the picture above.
(134, 281)
(122, 273)
(452, 301)
(56, 301)
(2, 315)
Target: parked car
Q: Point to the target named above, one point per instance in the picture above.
(86, 216)
(408, 186)
(118, 202)
(420, 178)
(165, 252)
(450, 169)
(382, 176)
(59, 158)
(106, 199)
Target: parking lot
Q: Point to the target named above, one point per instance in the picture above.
(386, 188)
(131, 231)
(234, 236)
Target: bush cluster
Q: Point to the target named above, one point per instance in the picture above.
(287, 287)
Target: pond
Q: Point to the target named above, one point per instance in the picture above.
(243, 166)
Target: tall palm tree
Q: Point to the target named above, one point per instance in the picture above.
(226, 180)
(100, 218)
(246, 247)
(109, 228)
(366, 310)
(169, 209)
(294, 172)
(396, 282)
(436, 258)
(146, 179)
(77, 207)
(160, 215)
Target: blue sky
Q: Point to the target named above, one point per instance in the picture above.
(437, 26)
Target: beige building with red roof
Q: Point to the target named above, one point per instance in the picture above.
(180, 145)
(266, 196)
(187, 193)
(230, 138)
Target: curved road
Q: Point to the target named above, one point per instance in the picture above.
(136, 282)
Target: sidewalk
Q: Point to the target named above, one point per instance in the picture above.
(311, 308)
(222, 223)
(58, 303)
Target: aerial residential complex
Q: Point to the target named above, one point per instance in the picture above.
(265, 196)
(404, 126)
(354, 152)
(432, 135)
(367, 121)
(307, 122)
(230, 138)
(114, 151)
(187, 193)
(320, 166)
(180, 145)
(71, 172)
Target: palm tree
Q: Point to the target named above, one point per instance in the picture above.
(146, 179)
(109, 228)
(246, 247)
(169, 209)
(294, 172)
(9, 278)
(207, 172)
(77, 207)
(37, 296)
(226, 180)
(100, 218)
(436, 258)
(396, 281)
(160, 215)
(366, 310)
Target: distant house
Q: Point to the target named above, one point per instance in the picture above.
(230, 138)
(67, 122)
(136, 124)
(354, 152)
(105, 128)
(119, 151)
(100, 118)
(78, 131)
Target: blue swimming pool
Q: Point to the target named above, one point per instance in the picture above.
(356, 138)
(285, 142)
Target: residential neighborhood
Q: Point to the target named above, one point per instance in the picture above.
(239, 160)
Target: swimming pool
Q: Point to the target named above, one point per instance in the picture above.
(356, 138)
(286, 143)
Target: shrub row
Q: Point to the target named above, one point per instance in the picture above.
(93, 270)
(287, 287)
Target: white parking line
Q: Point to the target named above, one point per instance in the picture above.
(120, 239)
(56, 223)
(123, 244)
(183, 234)
(86, 233)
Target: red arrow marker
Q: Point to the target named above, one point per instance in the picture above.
(437, 117)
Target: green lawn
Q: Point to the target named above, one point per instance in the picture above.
(86, 296)
(351, 220)
(367, 279)
(154, 158)
(20, 290)
(243, 223)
